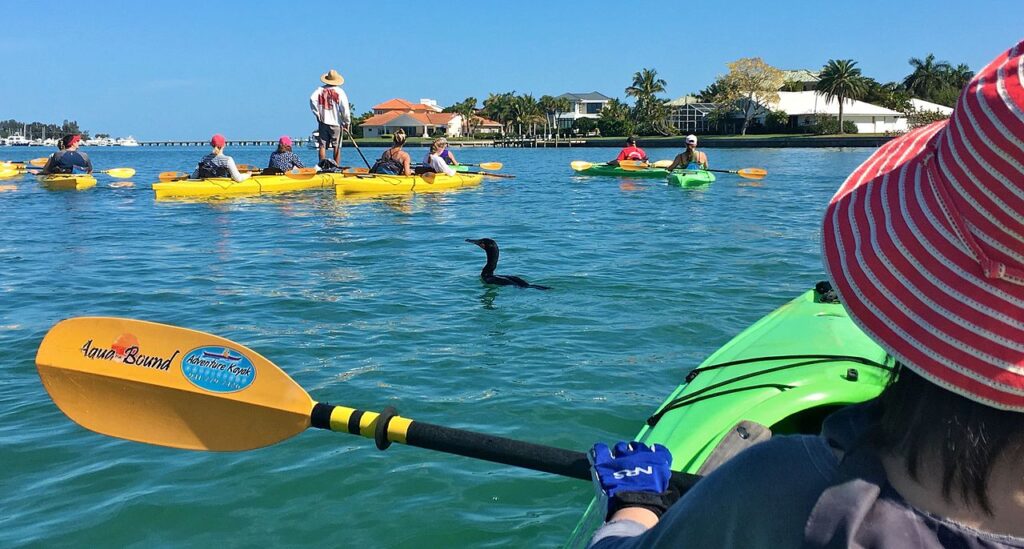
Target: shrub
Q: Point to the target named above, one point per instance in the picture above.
(826, 125)
(776, 122)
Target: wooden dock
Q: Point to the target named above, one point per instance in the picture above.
(533, 142)
(296, 142)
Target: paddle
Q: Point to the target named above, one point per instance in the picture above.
(748, 173)
(486, 165)
(173, 176)
(580, 165)
(119, 173)
(171, 386)
(356, 145)
(500, 175)
(356, 170)
(38, 162)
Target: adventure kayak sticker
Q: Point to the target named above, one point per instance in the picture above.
(125, 349)
(218, 369)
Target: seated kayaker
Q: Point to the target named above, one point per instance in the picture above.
(630, 152)
(446, 154)
(394, 161)
(434, 163)
(691, 158)
(68, 159)
(923, 252)
(217, 164)
(283, 159)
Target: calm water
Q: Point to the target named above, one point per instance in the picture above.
(370, 303)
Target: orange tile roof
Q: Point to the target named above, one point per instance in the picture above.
(393, 104)
(481, 121)
(428, 118)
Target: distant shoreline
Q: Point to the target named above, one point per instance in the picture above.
(707, 142)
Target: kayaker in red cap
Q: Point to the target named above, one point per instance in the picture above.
(924, 244)
(217, 164)
(283, 159)
(68, 159)
(630, 152)
(329, 104)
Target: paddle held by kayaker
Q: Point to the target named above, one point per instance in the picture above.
(68, 158)
(691, 158)
(218, 164)
(923, 246)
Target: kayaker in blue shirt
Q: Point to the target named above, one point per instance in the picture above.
(68, 159)
(691, 158)
(926, 265)
(283, 159)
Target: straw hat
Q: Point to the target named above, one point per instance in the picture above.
(332, 78)
(925, 242)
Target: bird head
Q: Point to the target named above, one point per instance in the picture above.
(485, 243)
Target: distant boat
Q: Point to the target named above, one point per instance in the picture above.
(313, 140)
(127, 142)
(17, 140)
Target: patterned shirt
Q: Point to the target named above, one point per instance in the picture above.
(285, 161)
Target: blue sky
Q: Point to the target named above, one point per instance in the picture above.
(188, 69)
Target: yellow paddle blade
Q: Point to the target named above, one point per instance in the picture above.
(301, 173)
(38, 162)
(171, 176)
(633, 165)
(8, 173)
(580, 165)
(752, 173)
(120, 173)
(168, 386)
(662, 164)
(491, 165)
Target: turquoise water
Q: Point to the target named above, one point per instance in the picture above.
(377, 302)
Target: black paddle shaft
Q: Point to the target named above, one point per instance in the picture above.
(548, 459)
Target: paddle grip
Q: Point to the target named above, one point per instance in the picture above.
(547, 459)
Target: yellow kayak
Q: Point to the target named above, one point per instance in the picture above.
(381, 183)
(71, 182)
(257, 184)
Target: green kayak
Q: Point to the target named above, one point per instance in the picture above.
(596, 168)
(782, 375)
(690, 178)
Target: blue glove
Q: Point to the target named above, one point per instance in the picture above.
(633, 475)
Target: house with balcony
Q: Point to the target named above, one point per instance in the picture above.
(584, 105)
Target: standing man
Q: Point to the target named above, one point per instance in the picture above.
(330, 107)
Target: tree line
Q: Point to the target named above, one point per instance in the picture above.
(40, 129)
(749, 83)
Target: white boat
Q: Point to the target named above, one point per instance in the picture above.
(127, 142)
(312, 142)
(17, 140)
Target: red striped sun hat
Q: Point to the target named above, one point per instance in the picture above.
(925, 242)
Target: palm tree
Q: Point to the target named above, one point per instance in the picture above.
(649, 109)
(959, 76)
(928, 78)
(841, 80)
(499, 108)
(467, 109)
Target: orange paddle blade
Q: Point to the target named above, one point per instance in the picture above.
(301, 173)
(38, 162)
(172, 176)
(356, 170)
(752, 173)
(168, 386)
(633, 165)
(491, 165)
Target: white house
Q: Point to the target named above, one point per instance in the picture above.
(920, 105)
(804, 108)
(420, 120)
(584, 105)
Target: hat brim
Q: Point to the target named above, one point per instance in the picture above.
(910, 282)
(332, 81)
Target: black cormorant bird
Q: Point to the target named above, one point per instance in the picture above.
(487, 274)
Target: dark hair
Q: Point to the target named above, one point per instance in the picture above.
(922, 421)
(283, 148)
(68, 139)
(631, 140)
(399, 138)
